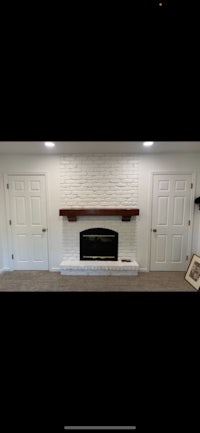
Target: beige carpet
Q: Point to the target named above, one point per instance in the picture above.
(29, 281)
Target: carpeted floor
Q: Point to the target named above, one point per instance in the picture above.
(44, 281)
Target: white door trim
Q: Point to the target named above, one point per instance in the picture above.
(166, 172)
(7, 210)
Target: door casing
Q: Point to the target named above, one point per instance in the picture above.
(6, 192)
(167, 172)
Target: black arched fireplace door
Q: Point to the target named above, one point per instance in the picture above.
(98, 244)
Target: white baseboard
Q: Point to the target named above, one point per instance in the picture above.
(5, 270)
(54, 270)
(143, 270)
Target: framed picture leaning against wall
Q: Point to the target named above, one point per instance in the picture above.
(193, 272)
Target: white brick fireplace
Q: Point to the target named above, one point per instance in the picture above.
(99, 181)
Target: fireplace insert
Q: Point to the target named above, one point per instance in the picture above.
(98, 244)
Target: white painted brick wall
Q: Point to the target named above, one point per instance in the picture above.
(99, 181)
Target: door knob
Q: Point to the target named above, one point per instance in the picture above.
(44, 230)
(154, 230)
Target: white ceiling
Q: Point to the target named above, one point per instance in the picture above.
(37, 147)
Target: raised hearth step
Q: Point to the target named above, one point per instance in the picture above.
(88, 267)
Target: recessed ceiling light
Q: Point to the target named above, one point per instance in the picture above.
(49, 144)
(148, 143)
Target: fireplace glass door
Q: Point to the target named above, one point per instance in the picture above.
(98, 244)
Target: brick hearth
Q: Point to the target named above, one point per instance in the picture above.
(88, 267)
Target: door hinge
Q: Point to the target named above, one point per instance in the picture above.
(191, 185)
(189, 222)
(10, 222)
(7, 185)
(186, 257)
(12, 256)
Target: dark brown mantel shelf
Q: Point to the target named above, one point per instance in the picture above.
(72, 214)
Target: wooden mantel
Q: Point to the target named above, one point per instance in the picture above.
(72, 214)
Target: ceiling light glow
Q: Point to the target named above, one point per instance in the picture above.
(49, 144)
(148, 143)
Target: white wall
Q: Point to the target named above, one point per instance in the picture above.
(51, 166)
(1, 223)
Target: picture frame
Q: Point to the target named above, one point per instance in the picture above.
(192, 275)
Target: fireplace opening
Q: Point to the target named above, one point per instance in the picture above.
(98, 244)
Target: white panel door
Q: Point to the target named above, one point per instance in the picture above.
(170, 222)
(28, 222)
